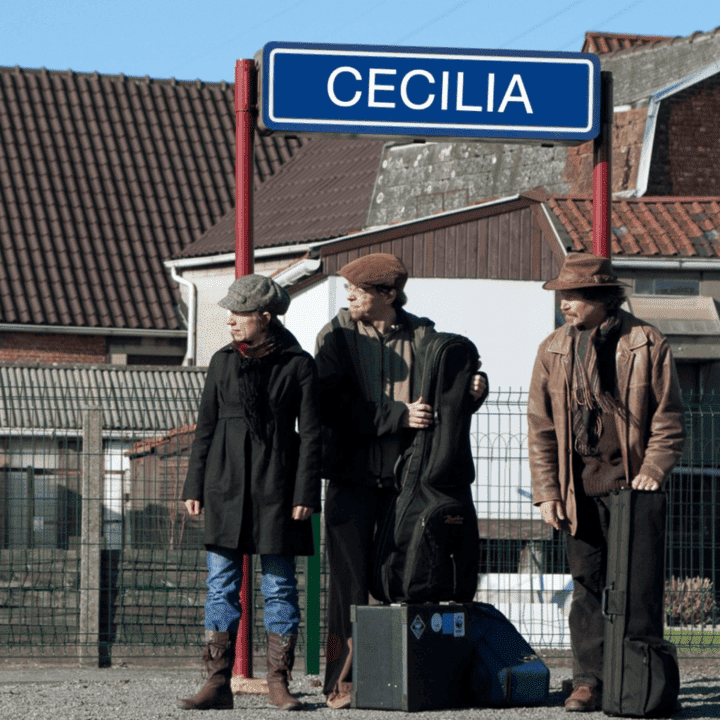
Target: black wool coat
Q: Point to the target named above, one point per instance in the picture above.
(248, 485)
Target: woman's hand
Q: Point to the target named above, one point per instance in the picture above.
(193, 507)
(301, 512)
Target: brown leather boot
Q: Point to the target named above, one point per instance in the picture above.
(219, 657)
(280, 660)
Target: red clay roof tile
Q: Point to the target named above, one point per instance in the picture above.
(601, 42)
(648, 226)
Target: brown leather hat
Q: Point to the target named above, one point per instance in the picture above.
(582, 270)
(369, 271)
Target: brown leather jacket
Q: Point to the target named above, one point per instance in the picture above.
(651, 442)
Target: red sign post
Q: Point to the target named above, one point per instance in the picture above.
(602, 172)
(244, 138)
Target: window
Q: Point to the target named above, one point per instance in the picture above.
(666, 286)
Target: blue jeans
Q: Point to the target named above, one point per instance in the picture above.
(279, 588)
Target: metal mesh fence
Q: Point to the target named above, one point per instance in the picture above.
(99, 561)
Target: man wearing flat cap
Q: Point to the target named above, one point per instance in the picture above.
(365, 357)
(604, 413)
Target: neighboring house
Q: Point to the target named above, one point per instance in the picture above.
(126, 541)
(41, 440)
(666, 137)
(322, 194)
(102, 178)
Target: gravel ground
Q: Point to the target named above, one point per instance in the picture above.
(133, 694)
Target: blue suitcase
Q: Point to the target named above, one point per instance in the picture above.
(506, 670)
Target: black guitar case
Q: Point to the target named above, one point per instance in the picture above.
(641, 677)
(428, 549)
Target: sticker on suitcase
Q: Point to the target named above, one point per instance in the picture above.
(453, 624)
(418, 627)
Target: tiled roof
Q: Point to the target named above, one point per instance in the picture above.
(648, 226)
(324, 193)
(647, 68)
(601, 43)
(132, 398)
(102, 178)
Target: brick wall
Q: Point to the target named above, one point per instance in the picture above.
(52, 348)
(628, 132)
(687, 142)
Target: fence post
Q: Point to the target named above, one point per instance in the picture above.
(90, 493)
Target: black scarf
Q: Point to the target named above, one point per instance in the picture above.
(253, 393)
(590, 401)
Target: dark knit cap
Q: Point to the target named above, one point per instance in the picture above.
(382, 269)
(256, 292)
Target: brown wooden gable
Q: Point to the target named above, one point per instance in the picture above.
(510, 240)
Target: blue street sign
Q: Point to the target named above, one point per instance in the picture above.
(429, 92)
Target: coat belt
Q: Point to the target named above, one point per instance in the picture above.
(230, 410)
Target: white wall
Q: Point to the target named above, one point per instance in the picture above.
(212, 286)
(506, 319)
(309, 310)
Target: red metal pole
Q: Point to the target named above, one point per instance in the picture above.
(602, 172)
(245, 79)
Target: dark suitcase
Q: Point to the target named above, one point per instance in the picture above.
(441, 656)
(410, 657)
(428, 548)
(506, 670)
(640, 669)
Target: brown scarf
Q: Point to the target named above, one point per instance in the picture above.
(589, 401)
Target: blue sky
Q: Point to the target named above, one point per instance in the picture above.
(201, 39)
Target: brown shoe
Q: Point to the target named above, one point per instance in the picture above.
(280, 661)
(218, 657)
(583, 699)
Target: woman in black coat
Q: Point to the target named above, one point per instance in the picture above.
(257, 478)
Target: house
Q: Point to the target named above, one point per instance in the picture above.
(51, 526)
(323, 194)
(665, 141)
(102, 178)
(42, 438)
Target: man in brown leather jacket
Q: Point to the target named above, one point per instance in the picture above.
(604, 412)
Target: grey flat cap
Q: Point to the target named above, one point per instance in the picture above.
(256, 292)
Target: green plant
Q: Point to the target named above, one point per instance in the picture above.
(690, 601)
